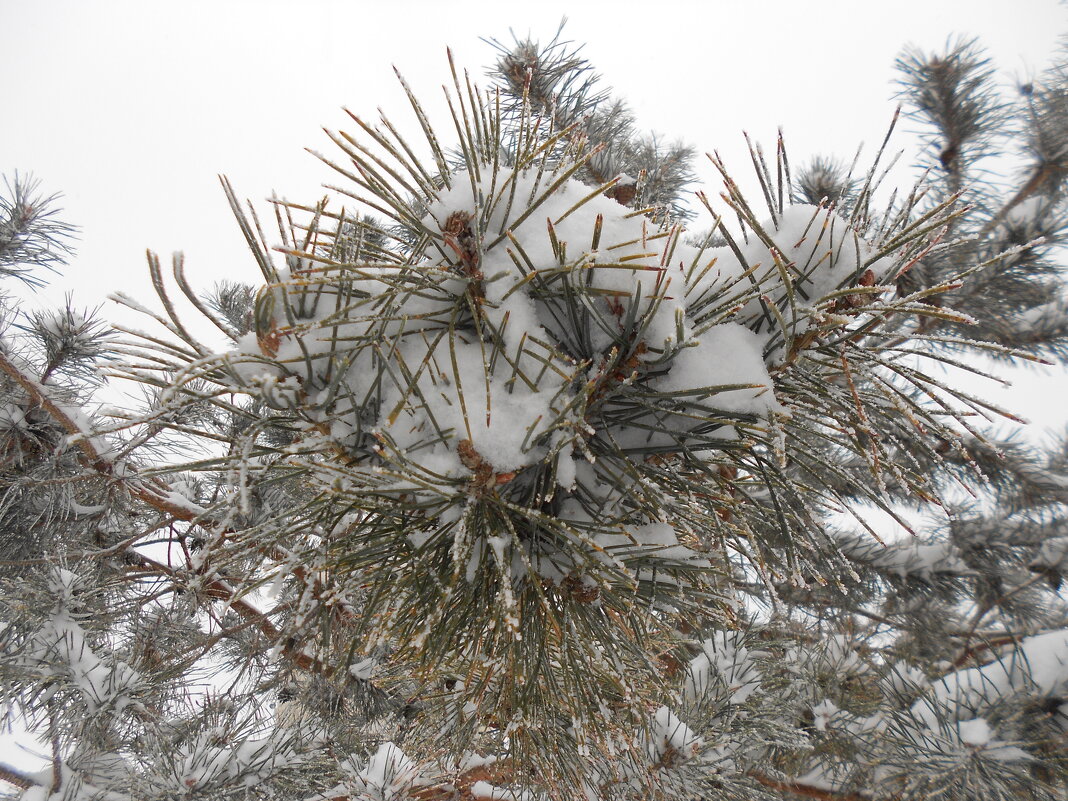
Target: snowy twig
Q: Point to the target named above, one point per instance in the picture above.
(16, 777)
(151, 491)
(40, 394)
(57, 759)
(220, 590)
(807, 790)
(156, 495)
(983, 611)
(1036, 183)
(972, 651)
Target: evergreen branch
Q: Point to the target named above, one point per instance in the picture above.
(1038, 183)
(152, 491)
(220, 590)
(541, 480)
(30, 235)
(80, 437)
(157, 495)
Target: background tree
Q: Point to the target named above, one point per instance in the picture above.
(515, 488)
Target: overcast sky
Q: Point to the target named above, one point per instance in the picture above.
(131, 109)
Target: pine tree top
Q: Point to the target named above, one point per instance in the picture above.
(505, 486)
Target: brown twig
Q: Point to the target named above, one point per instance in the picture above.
(968, 651)
(807, 790)
(222, 591)
(57, 760)
(157, 495)
(16, 777)
(1037, 181)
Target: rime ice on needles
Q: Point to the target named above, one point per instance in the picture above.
(31, 235)
(516, 466)
(494, 398)
(670, 740)
(524, 364)
(724, 666)
(527, 427)
(62, 646)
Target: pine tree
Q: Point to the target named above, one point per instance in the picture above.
(518, 478)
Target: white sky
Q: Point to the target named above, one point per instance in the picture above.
(131, 109)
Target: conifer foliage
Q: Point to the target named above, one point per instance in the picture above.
(508, 483)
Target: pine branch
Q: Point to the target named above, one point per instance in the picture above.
(564, 480)
(1039, 183)
(80, 437)
(157, 495)
(30, 235)
(220, 590)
